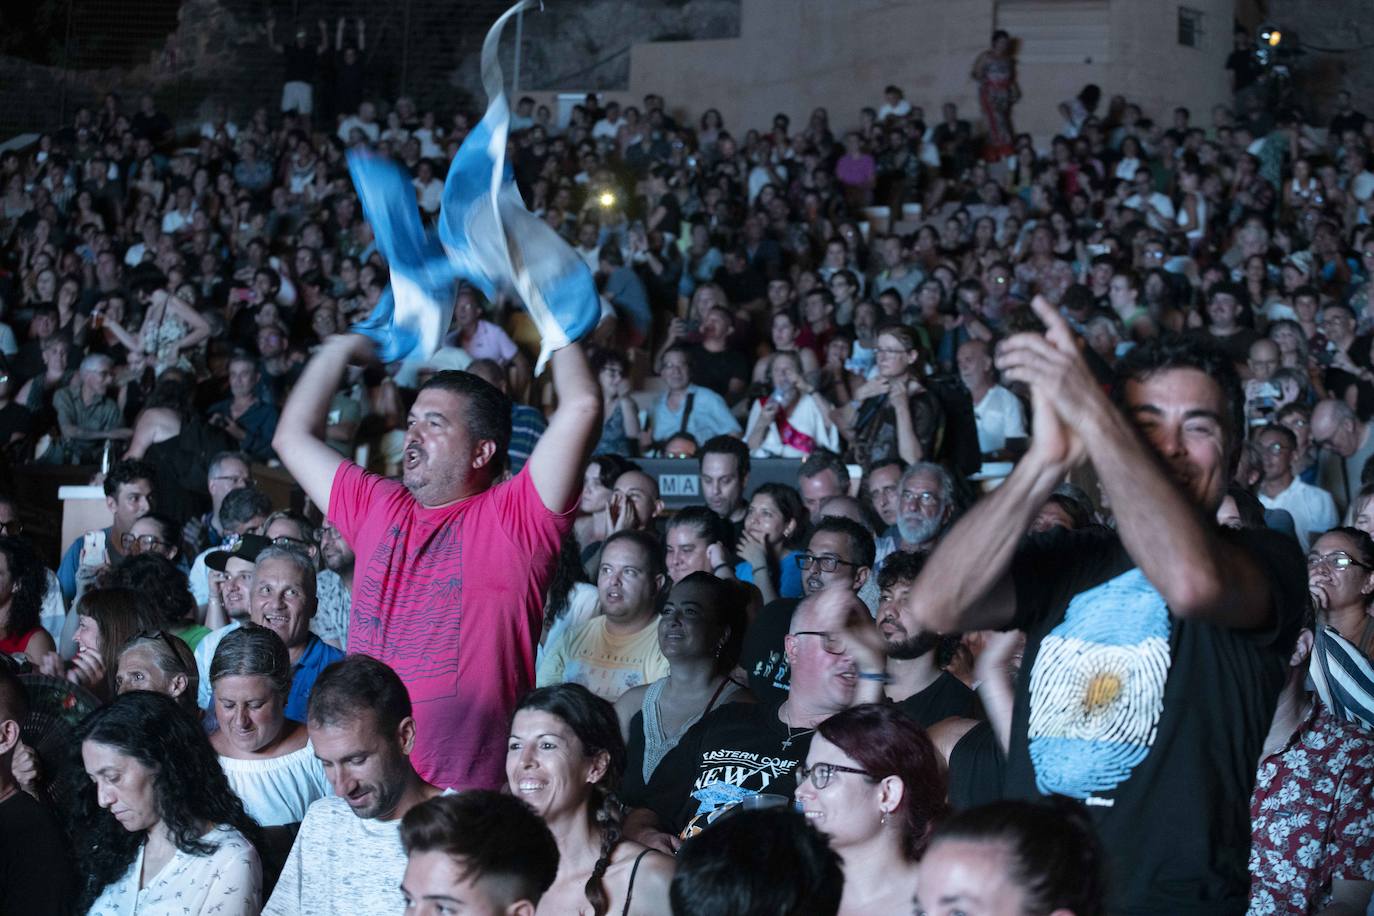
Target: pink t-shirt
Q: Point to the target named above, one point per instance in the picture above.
(451, 599)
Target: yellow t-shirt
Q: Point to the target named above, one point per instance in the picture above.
(604, 663)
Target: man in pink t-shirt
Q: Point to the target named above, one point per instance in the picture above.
(451, 569)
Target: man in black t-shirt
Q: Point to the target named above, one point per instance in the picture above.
(744, 749)
(919, 688)
(840, 543)
(715, 364)
(1155, 653)
(36, 874)
(302, 66)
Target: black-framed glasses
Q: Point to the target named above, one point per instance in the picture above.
(1338, 559)
(826, 563)
(821, 774)
(829, 641)
(11, 529)
(290, 543)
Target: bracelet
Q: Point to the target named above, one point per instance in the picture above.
(721, 566)
(759, 568)
(882, 677)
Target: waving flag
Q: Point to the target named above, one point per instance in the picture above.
(497, 244)
(409, 320)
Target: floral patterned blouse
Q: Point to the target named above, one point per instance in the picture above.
(228, 882)
(1312, 817)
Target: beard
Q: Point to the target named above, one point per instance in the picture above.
(913, 648)
(918, 529)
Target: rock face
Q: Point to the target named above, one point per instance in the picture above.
(1333, 24)
(427, 49)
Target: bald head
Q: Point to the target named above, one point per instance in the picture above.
(828, 610)
(1263, 359)
(843, 507)
(1334, 426)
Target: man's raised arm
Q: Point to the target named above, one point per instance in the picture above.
(299, 440)
(966, 584)
(560, 457)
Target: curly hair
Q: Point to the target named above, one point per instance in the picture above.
(567, 572)
(161, 582)
(594, 722)
(30, 581)
(189, 787)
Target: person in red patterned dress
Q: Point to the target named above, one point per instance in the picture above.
(1312, 811)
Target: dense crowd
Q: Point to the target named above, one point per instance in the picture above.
(1013, 619)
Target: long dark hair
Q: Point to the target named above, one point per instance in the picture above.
(120, 613)
(725, 602)
(594, 722)
(30, 585)
(189, 787)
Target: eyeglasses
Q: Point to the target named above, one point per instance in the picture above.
(821, 774)
(826, 563)
(289, 543)
(242, 480)
(1336, 560)
(829, 642)
(1274, 448)
(925, 497)
(144, 541)
(11, 528)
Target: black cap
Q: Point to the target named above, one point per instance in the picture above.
(247, 547)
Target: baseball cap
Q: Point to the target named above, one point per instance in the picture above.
(245, 547)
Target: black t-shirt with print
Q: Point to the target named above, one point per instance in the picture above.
(734, 752)
(761, 655)
(946, 696)
(1153, 721)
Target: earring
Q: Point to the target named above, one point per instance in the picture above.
(883, 821)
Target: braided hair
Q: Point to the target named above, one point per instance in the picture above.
(594, 722)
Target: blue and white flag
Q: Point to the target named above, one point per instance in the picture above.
(409, 320)
(497, 244)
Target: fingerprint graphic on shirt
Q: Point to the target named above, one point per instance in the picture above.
(1097, 688)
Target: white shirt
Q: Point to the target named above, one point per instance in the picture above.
(53, 615)
(277, 790)
(1000, 416)
(369, 128)
(1161, 217)
(606, 128)
(340, 864)
(228, 882)
(174, 220)
(900, 110)
(807, 418)
(1312, 508)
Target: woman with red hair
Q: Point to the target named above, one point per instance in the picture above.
(872, 782)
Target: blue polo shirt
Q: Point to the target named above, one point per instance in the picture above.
(318, 655)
